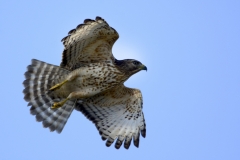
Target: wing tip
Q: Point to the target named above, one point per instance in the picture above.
(85, 22)
(98, 18)
(143, 133)
(80, 26)
(88, 21)
(64, 38)
(118, 143)
(72, 31)
(109, 142)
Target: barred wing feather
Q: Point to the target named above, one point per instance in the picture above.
(89, 42)
(117, 114)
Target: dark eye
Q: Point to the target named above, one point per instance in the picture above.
(136, 62)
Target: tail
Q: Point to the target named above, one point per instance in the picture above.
(40, 77)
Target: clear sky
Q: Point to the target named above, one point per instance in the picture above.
(191, 90)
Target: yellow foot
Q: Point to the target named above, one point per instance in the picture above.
(59, 104)
(58, 85)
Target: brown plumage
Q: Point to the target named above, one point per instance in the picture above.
(89, 79)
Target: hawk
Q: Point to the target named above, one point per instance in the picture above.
(90, 80)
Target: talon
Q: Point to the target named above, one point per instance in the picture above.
(58, 85)
(56, 105)
(59, 104)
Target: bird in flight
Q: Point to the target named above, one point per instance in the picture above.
(90, 80)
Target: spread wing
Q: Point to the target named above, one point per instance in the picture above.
(89, 42)
(116, 113)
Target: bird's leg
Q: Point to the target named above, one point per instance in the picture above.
(69, 78)
(59, 104)
(58, 85)
(73, 95)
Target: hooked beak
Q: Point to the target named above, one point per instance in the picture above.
(143, 67)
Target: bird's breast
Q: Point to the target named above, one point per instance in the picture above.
(94, 79)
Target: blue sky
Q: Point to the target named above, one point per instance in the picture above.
(191, 90)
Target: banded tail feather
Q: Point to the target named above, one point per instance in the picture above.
(40, 77)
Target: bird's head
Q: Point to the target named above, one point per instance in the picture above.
(130, 66)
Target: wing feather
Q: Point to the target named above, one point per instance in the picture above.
(87, 43)
(117, 114)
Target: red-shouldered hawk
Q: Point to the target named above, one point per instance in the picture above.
(89, 80)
